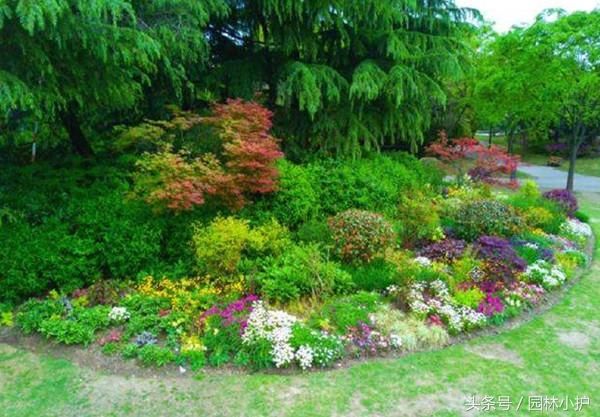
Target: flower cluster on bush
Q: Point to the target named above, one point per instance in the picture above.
(545, 274)
(361, 235)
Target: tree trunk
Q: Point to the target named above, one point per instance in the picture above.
(79, 142)
(490, 137)
(572, 161)
(511, 140)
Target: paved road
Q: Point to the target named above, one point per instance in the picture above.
(550, 178)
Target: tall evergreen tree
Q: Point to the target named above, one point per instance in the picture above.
(346, 75)
(66, 59)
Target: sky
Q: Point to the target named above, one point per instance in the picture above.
(507, 13)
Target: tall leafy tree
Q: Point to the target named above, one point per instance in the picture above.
(571, 44)
(62, 60)
(345, 75)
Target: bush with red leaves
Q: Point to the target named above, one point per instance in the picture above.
(181, 181)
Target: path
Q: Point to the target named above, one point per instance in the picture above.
(551, 178)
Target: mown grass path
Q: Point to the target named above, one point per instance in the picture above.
(557, 354)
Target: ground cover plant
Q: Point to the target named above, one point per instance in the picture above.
(256, 262)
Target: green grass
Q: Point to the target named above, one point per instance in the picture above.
(584, 166)
(556, 354)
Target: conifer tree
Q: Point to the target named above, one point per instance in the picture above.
(62, 60)
(345, 75)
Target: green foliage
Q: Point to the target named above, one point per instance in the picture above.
(418, 218)
(348, 78)
(296, 200)
(487, 217)
(374, 276)
(537, 211)
(343, 312)
(302, 271)
(359, 235)
(79, 327)
(226, 241)
(374, 183)
(76, 226)
(33, 312)
(469, 298)
(153, 355)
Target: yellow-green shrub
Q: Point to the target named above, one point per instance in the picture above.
(221, 245)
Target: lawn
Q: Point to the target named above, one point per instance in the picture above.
(557, 354)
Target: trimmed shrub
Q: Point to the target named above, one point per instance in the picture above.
(487, 217)
(360, 235)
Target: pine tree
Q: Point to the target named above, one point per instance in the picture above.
(343, 75)
(63, 60)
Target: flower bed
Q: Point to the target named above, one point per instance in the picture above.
(265, 299)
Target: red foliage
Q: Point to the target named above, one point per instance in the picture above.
(490, 162)
(181, 182)
(250, 150)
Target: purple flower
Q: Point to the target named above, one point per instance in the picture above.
(565, 199)
(491, 305)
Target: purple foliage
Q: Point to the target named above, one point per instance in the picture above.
(491, 305)
(565, 199)
(447, 250)
(502, 263)
(233, 313)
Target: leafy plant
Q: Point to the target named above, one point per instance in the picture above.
(360, 235)
(299, 272)
(488, 217)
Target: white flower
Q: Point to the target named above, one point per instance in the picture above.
(423, 261)
(574, 226)
(119, 314)
(395, 341)
(542, 272)
(305, 355)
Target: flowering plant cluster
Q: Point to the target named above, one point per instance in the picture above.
(564, 198)
(277, 328)
(360, 235)
(445, 250)
(544, 273)
(433, 300)
(119, 314)
(362, 339)
(521, 294)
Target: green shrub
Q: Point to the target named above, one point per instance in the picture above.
(582, 217)
(221, 245)
(486, 217)
(77, 328)
(315, 231)
(537, 211)
(340, 313)
(154, 355)
(360, 235)
(418, 217)
(300, 272)
(373, 183)
(469, 298)
(374, 276)
(33, 312)
(76, 225)
(295, 202)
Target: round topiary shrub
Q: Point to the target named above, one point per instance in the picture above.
(486, 217)
(360, 235)
(566, 199)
